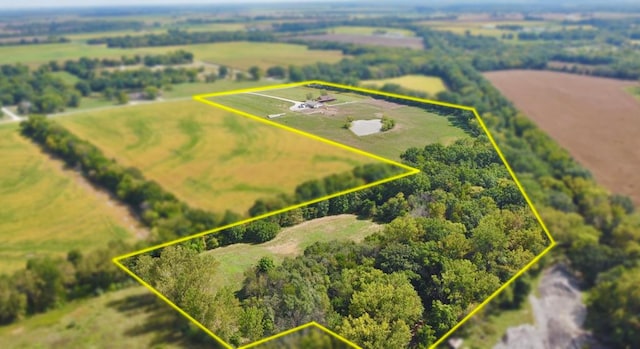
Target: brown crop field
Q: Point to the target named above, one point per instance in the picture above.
(595, 119)
(377, 40)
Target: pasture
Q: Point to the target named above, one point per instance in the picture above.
(292, 241)
(595, 119)
(49, 210)
(208, 157)
(414, 127)
(240, 55)
(428, 84)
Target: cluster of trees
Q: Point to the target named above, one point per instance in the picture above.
(387, 124)
(112, 83)
(171, 58)
(582, 216)
(35, 91)
(453, 234)
(47, 282)
(181, 37)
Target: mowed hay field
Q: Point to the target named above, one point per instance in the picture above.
(290, 242)
(429, 84)
(239, 55)
(595, 119)
(208, 157)
(414, 126)
(48, 210)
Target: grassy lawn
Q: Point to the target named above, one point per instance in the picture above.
(47, 209)
(239, 55)
(237, 258)
(370, 31)
(208, 157)
(68, 78)
(635, 91)
(126, 318)
(196, 88)
(414, 126)
(429, 84)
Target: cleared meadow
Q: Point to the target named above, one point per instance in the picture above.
(429, 84)
(292, 241)
(208, 157)
(49, 210)
(414, 127)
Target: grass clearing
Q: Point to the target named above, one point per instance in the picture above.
(414, 127)
(292, 241)
(128, 318)
(429, 84)
(47, 209)
(208, 157)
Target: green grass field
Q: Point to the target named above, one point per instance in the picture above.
(292, 241)
(429, 84)
(208, 157)
(129, 318)
(635, 91)
(414, 126)
(47, 209)
(239, 55)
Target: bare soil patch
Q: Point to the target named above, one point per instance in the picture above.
(595, 119)
(377, 40)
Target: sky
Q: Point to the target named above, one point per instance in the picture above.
(12, 4)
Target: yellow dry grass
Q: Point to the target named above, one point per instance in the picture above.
(45, 209)
(208, 157)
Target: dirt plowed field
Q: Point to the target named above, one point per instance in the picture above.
(595, 119)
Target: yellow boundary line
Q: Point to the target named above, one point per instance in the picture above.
(410, 171)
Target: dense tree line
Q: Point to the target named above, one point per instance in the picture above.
(87, 68)
(35, 41)
(454, 233)
(574, 34)
(181, 37)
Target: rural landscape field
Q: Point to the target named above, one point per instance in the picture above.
(209, 158)
(179, 145)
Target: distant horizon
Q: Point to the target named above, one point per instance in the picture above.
(78, 4)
